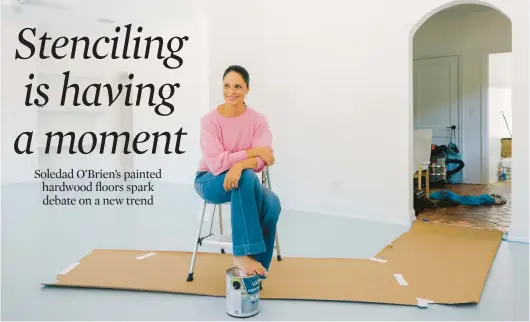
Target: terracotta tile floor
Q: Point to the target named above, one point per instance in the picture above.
(495, 216)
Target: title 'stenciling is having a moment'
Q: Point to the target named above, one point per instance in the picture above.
(42, 45)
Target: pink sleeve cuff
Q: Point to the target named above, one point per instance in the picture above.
(236, 157)
(260, 165)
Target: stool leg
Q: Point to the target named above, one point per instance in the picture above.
(278, 253)
(267, 179)
(221, 225)
(420, 172)
(427, 183)
(197, 241)
(212, 219)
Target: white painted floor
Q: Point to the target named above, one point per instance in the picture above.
(39, 242)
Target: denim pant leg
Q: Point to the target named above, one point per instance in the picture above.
(210, 188)
(247, 237)
(270, 213)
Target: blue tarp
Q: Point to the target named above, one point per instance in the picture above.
(454, 155)
(483, 199)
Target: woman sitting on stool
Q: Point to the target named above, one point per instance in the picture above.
(236, 143)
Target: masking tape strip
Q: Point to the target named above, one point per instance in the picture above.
(424, 302)
(145, 256)
(377, 260)
(401, 280)
(69, 268)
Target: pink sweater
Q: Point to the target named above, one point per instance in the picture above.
(224, 140)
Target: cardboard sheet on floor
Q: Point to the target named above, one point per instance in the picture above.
(451, 263)
(431, 263)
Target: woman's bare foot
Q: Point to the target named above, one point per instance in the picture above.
(249, 265)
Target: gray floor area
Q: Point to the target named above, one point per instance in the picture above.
(38, 242)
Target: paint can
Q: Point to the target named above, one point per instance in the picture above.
(242, 294)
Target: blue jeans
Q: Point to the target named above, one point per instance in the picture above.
(255, 210)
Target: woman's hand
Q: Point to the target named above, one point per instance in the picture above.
(232, 178)
(264, 153)
(267, 156)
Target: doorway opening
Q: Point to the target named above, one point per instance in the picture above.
(462, 116)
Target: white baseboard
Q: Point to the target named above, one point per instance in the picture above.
(517, 234)
(226, 215)
(516, 239)
(412, 216)
(405, 223)
(226, 210)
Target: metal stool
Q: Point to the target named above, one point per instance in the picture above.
(223, 241)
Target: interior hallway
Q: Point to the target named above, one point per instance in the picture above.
(495, 216)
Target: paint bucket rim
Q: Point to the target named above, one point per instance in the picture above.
(236, 269)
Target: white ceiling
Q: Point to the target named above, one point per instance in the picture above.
(118, 11)
(124, 11)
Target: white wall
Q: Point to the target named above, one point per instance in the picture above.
(238, 41)
(17, 118)
(500, 83)
(15, 167)
(499, 102)
(336, 86)
(471, 36)
(338, 94)
(168, 19)
(191, 101)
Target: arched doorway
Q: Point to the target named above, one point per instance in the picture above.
(450, 89)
